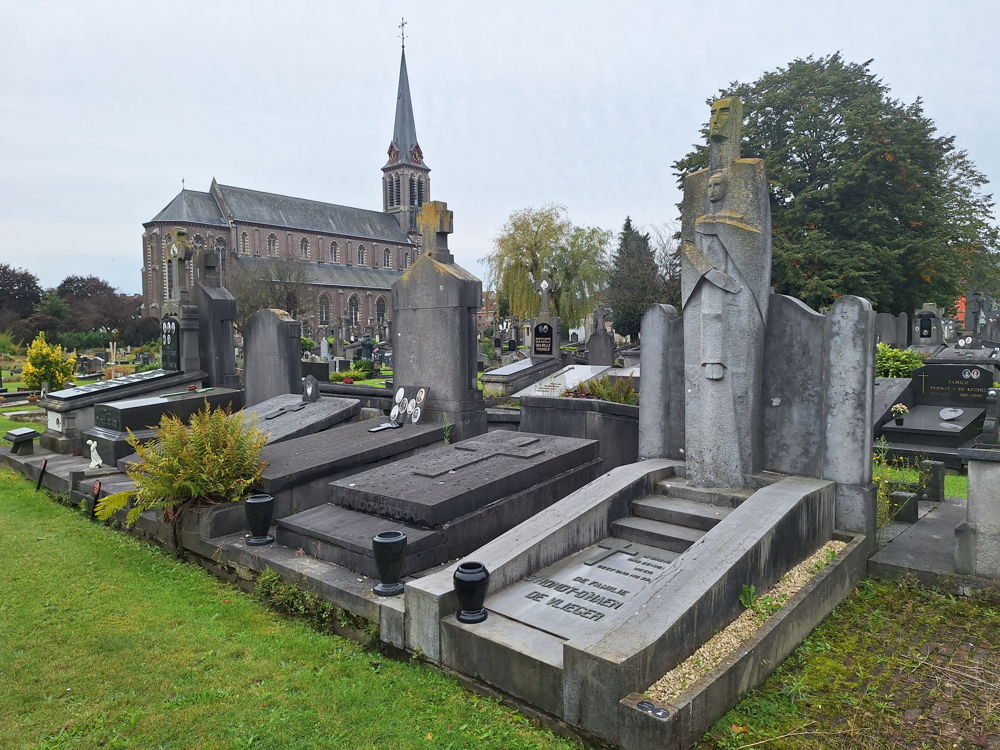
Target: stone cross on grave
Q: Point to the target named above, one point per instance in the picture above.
(435, 223)
(180, 254)
(609, 548)
(477, 450)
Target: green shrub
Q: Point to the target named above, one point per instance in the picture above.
(213, 459)
(307, 344)
(83, 340)
(616, 390)
(46, 364)
(363, 365)
(895, 363)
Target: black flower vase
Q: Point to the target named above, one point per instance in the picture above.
(471, 582)
(389, 548)
(899, 420)
(260, 511)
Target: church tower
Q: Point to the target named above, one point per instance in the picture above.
(406, 183)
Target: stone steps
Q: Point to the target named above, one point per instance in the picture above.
(675, 510)
(728, 497)
(666, 536)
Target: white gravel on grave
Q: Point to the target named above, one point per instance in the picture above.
(740, 630)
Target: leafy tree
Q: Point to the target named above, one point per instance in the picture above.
(542, 244)
(866, 197)
(665, 240)
(84, 287)
(19, 292)
(634, 282)
(53, 305)
(257, 285)
(141, 331)
(46, 364)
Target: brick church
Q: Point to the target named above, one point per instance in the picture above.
(349, 256)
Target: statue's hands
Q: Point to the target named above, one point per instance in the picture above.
(723, 281)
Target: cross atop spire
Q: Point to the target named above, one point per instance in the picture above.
(402, 31)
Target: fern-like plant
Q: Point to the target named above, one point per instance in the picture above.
(215, 458)
(617, 390)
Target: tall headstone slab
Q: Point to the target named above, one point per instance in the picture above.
(434, 308)
(273, 345)
(661, 361)
(725, 280)
(601, 344)
(216, 316)
(179, 306)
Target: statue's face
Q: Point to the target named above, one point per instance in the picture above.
(720, 118)
(716, 187)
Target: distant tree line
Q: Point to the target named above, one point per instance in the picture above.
(82, 312)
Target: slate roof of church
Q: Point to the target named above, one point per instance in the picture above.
(192, 207)
(331, 274)
(404, 132)
(256, 207)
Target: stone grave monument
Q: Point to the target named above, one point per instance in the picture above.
(758, 444)
(949, 404)
(273, 353)
(434, 308)
(288, 415)
(114, 420)
(216, 316)
(601, 344)
(545, 330)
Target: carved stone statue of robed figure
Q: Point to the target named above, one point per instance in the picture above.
(725, 283)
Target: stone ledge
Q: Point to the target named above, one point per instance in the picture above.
(696, 708)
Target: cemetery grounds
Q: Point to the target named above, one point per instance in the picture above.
(112, 643)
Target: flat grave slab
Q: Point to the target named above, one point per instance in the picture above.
(585, 595)
(303, 459)
(102, 387)
(287, 416)
(450, 481)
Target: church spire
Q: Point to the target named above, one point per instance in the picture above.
(405, 176)
(404, 148)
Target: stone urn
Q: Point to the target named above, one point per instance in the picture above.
(471, 581)
(260, 511)
(389, 548)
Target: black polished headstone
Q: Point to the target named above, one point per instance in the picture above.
(170, 344)
(542, 339)
(952, 384)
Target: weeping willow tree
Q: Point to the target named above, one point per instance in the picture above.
(542, 244)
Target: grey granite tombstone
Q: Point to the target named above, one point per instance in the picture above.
(179, 305)
(272, 341)
(725, 280)
(324, 349)
(893, 329)
(448, 500)
(977, 539)
(288, 415)
(434, 309)
(601, 344)
(216, 316)
(661, 408)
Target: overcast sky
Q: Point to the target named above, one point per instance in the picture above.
(106, 106)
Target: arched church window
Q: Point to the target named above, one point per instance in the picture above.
(272, 245)
(387, 258)
(303, 248)
(334, 253)
(245, 244)
(420, 191)
(362, 255)
(396, 192)
(198, 242)
(324, 309)
(380, 309)
(406, 260)
(354, 309)
(220, 244)
(413, 191)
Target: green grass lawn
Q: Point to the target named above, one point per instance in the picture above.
(896, 665)
(108, 643)
(955, 485)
